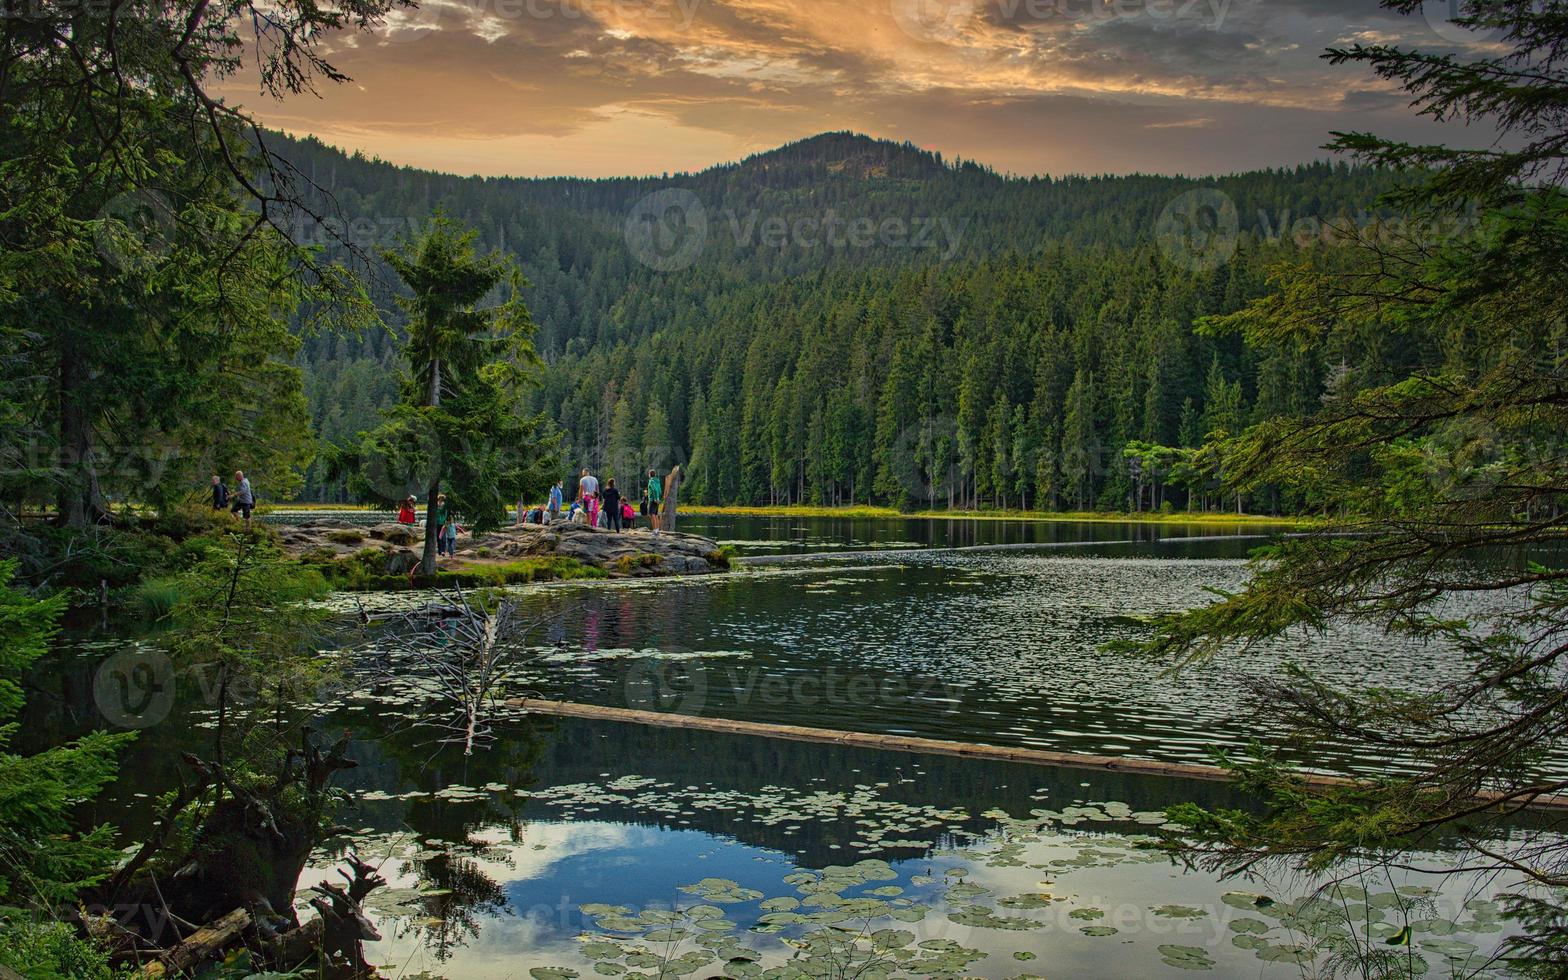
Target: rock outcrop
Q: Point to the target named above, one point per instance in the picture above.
(629, 553)
(639, 552)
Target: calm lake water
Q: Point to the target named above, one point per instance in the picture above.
(570, 848)
(828, 535)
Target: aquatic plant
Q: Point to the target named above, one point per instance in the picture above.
(467, 653)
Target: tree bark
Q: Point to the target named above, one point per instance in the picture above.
(428, 563)
(79, 499)
(672, 488)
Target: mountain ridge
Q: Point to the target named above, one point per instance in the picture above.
(929, 162)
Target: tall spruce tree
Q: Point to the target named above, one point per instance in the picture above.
(1446, 473)
(460, 428)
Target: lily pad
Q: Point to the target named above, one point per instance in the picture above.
(1186, 957)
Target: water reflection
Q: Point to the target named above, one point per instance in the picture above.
(625, 841)
(1003, 647)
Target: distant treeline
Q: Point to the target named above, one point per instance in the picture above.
(1008, 343)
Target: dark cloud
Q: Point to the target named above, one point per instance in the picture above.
(1027, 85)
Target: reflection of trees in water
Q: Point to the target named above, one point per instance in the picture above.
(467, 896)
(579, 751)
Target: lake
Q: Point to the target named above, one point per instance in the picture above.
(575, 848)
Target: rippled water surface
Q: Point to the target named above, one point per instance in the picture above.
(751, 535)
(1005, 647)
(572, 848)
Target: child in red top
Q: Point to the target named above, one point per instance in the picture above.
(406, 514)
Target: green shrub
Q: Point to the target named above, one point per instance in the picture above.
(347, 536)
(157, 597)
(304, 585)
(196, 549)
(191, 520)
(51, 951)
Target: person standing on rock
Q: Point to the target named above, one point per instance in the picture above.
(588, 492)
(220, 493)
(443, 519)
(651, 499)
(449, 534)
(556, 500)
(244, 498)
(612, 505)
(406, 515)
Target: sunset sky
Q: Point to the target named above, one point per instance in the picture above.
(613, 87)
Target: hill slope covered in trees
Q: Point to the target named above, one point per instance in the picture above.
(850, 320)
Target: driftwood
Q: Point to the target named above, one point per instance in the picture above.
(933, 746)
(331, 943)
(334, 938)
(205, 945)
(468, 654)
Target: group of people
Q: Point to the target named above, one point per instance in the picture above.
(447, 527)
(241, 500)
(607, 507)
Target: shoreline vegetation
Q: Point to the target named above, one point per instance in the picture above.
(868, 512)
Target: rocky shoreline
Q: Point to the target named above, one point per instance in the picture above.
(639, 553)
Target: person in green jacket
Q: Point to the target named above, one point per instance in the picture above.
(446, 528)
(652, 499)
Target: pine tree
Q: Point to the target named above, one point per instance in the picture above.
(459, 425)
(1080, 447)
(1437, 462)
(44, 860)
(623, 452)
(658, 449)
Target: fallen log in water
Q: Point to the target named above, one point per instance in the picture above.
(933, 746)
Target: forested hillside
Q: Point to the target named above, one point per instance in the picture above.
(987, 341)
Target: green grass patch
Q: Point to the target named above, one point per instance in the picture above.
(157, 597)
(859, 512)
(627, 564)
(542, 569)
(366, 572)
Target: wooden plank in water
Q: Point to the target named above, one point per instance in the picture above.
(925, 746)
